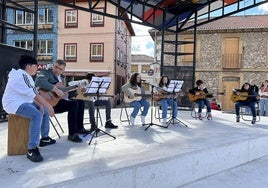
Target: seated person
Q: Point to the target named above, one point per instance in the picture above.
(134, 85)
(201, 93)
(250, 96)
(21, 98)
(48, 80)
(166, 100)
(100, 102)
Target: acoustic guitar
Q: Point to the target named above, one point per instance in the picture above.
(241, 97)
(202, 95)
(137, 95)
(52, 98)
(159, 96)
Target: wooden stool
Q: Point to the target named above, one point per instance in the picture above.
(18, 135)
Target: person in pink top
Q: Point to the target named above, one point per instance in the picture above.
(263, 92)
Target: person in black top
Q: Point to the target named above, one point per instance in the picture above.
(250, 100)
(201, 94)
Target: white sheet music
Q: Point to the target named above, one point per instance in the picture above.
(175, 85)
(101, 83)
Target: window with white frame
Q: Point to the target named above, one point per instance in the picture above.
(45, 16)
(45, 47)
(70, 52)
(71, 18)
(97, 19)
(26, 44)
(96, 52)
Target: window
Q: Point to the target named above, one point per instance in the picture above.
(45, 47)
(96, 52)
(71, 18)
(45, 15)
(70, 52)
(19, 17)
(145, 68)
(97, 19)
(231, 57)
(24, 44)
(134, 68)
(188, 48)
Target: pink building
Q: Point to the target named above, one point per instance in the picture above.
(90, 42)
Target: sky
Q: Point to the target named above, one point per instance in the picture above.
(142, 43)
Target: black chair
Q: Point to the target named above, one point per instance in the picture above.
(55, 122)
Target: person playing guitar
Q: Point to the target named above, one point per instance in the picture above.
(248, 97)
(130, 90)
(200, 93)
(48, 80)
(165, 99)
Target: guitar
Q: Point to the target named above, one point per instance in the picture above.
(52, 97)
(137, 95)
(241, 97)
(159, 96)
(202, 95)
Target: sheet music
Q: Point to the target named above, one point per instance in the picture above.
(101, 83)
(175, 85)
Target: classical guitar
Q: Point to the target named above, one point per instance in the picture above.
(137, 95)
(159, 96)
(202, 95)
(242, 96)
(52, 97)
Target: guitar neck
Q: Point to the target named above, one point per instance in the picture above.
(68, 88)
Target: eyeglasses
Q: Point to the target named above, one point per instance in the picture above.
(60, 69)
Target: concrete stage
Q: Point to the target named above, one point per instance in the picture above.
(204, 154)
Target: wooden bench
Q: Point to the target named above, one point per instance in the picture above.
(18, 135)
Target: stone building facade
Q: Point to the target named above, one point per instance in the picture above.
(229, 52)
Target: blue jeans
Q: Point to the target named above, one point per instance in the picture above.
(137, 105)
(169, 102)
(91, 110)
(264, 107)
(249, 104)
(38, 122)
(201, 103)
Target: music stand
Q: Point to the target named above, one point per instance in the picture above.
(98, 86)
(152, 100)
(173, 88)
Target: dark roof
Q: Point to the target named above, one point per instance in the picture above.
(237, 22)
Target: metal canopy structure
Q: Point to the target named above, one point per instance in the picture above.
(168, 15)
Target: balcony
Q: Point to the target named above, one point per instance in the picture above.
(231, 61)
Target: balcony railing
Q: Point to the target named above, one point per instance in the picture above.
(231, 61)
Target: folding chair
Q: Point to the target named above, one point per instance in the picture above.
(55, 123)
(194, 111)
(245, 112)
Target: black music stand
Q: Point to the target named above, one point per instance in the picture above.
(152, 100)
(97, 87)
(173, 88)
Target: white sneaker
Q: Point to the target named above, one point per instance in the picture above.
(164, 121)
(132, 120)
(143, 120)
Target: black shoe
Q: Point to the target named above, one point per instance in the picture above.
(83, 131)
(75, 138)
(93, 128)
(253, 120)
(34, 155)
(46, 141)
(110, 125)
(237, 119)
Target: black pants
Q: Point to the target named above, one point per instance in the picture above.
(75, 109)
